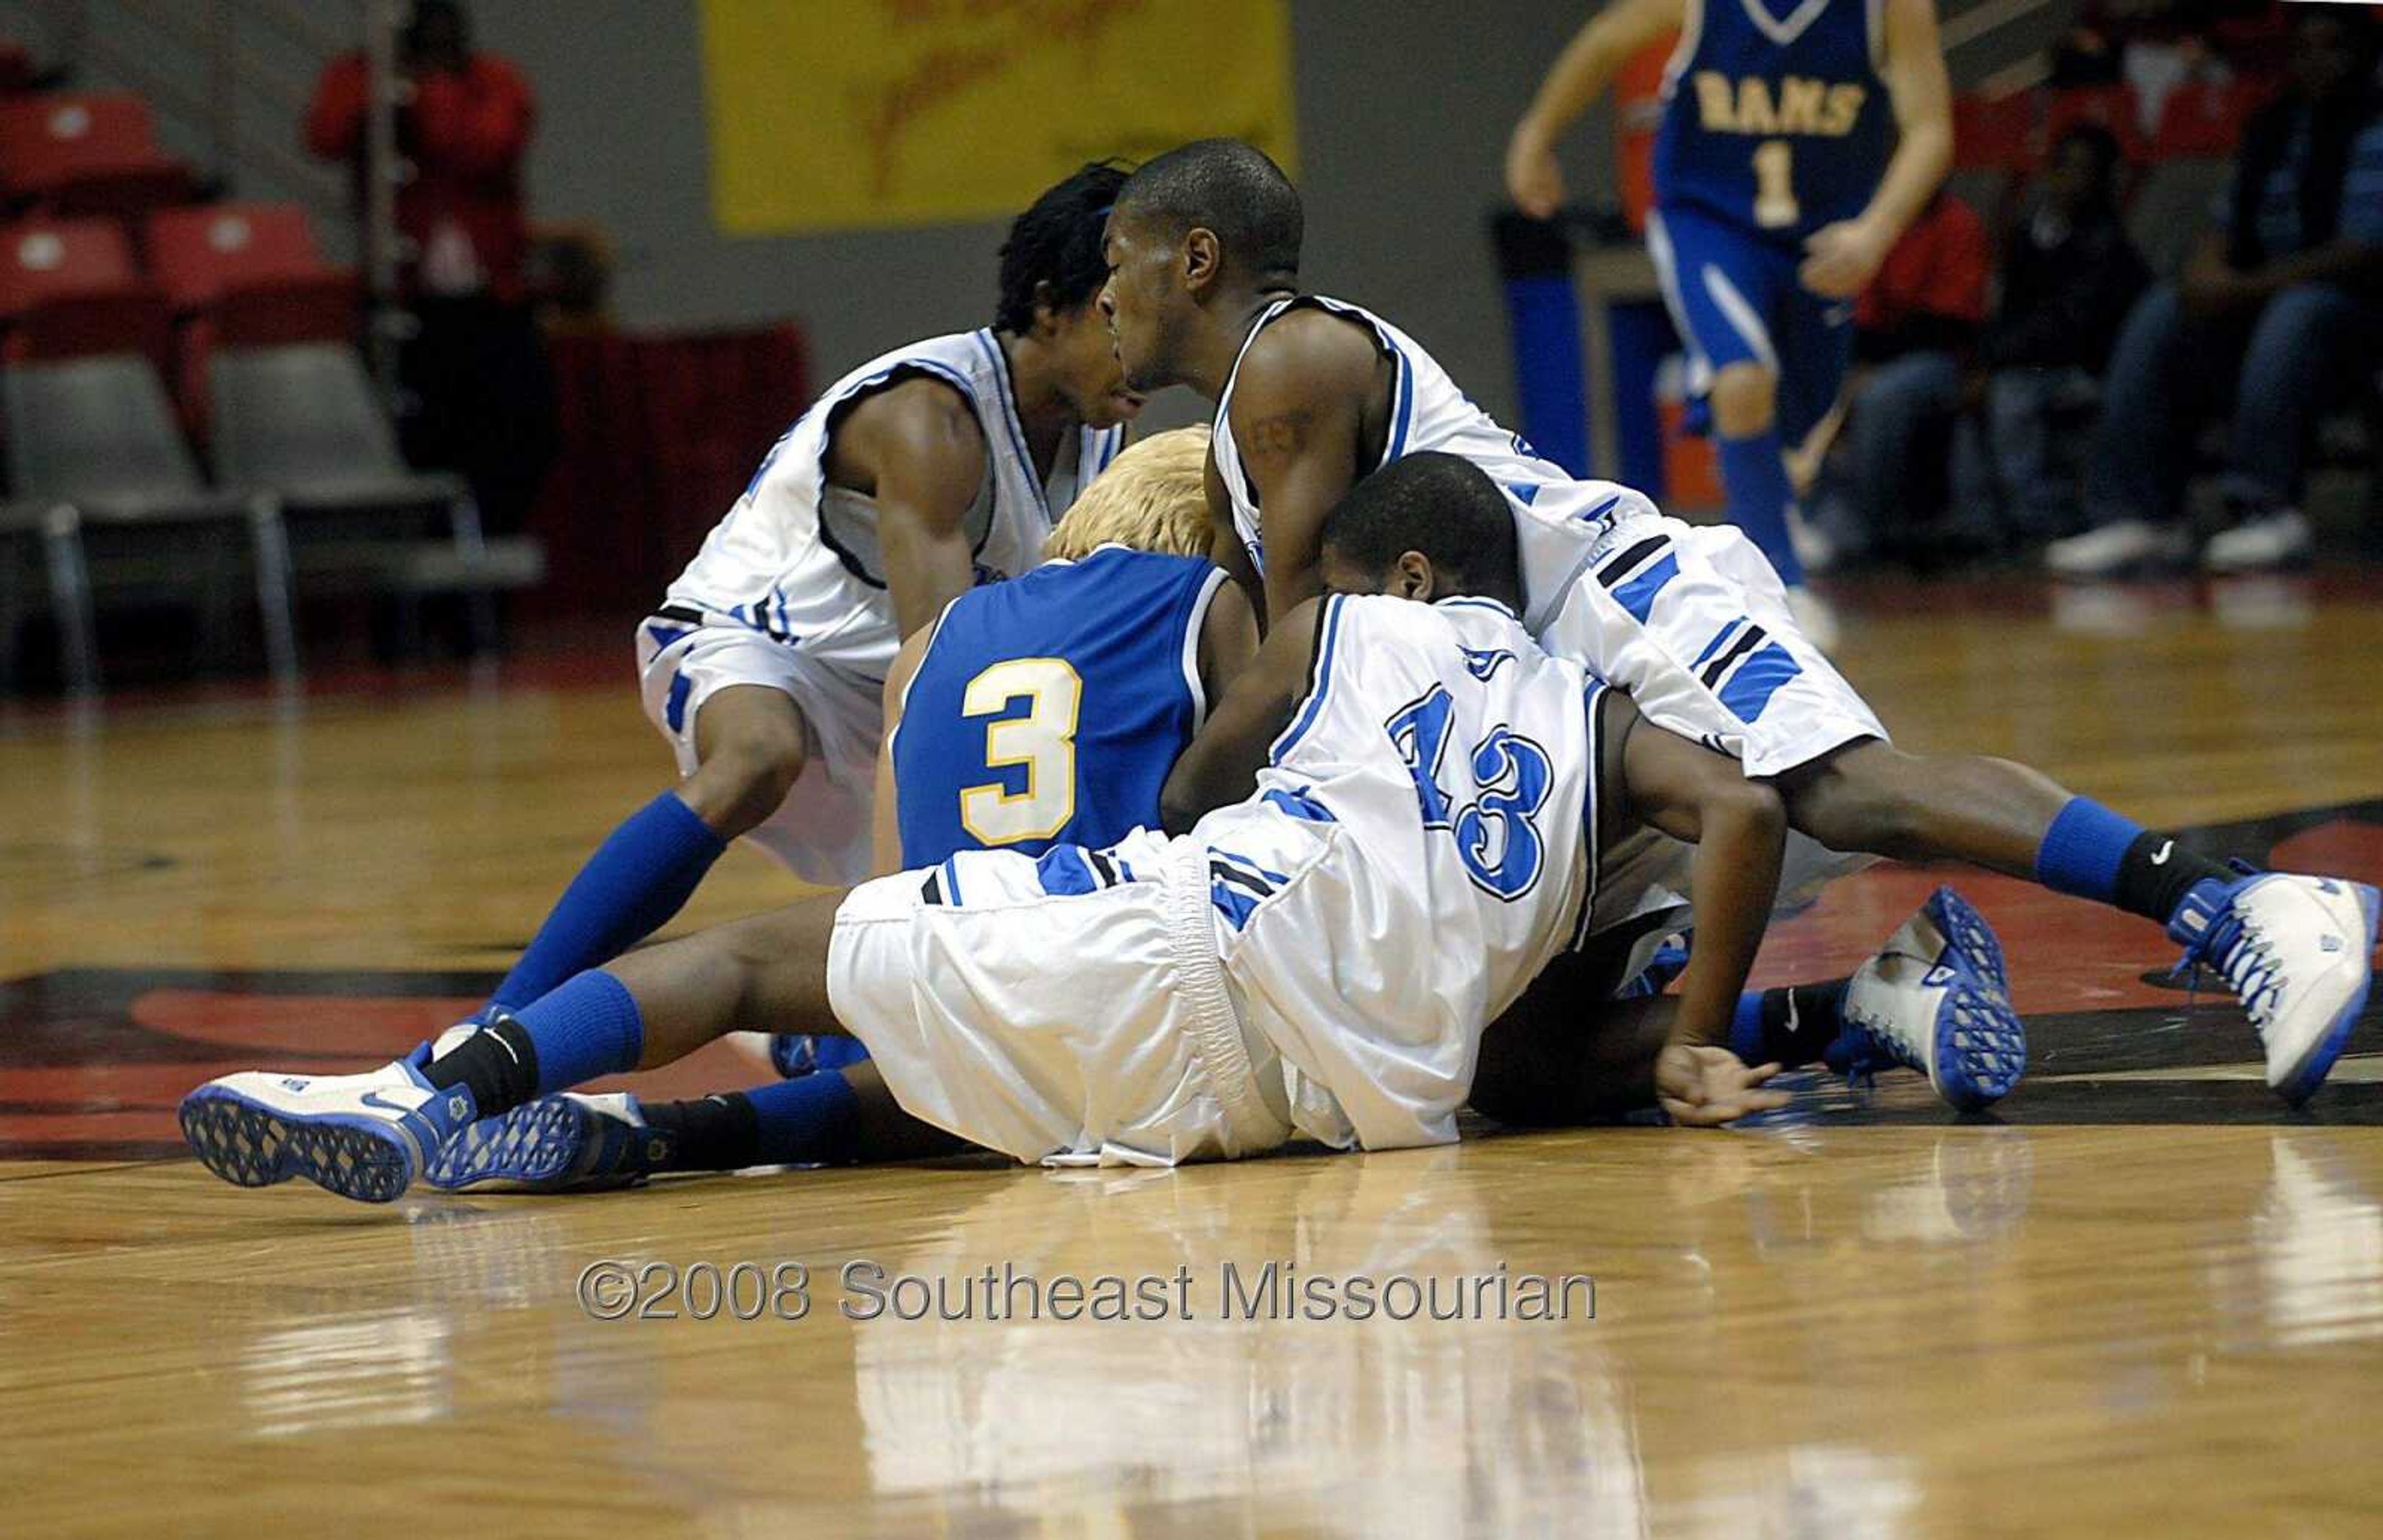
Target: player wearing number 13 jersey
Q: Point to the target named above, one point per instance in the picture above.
(1781, 182)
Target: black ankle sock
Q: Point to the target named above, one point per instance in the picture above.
(2154, 873)
(1800, 1021)
(498, 1064)
(715, 1133)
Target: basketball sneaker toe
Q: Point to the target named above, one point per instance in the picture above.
(2298, 952)
(556, 1143)
(365, 1137)
(1933, 999)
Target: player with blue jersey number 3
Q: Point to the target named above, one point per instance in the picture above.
(1797, 142)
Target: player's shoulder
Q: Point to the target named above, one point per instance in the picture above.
(1307, 347)
(921, 418)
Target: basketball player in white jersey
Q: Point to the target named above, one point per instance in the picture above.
(922, 473)
(1388, 830)
(1313, 394)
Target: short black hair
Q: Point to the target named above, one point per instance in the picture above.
(1057, 241)
(1228, 187)
(1439, 504)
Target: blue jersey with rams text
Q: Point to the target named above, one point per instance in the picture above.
(1048, 709)
(1775, 113)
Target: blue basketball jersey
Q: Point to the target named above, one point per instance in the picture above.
(1049, 709)
(1774, 114)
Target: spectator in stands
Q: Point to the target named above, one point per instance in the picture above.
(1916, 330)
(2155, 46)
(2070, 272)
(2278, 304)
(479, 398)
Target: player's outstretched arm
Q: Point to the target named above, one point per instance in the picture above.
(1222, 765)
(1739, 827)
(1581, 72)
(1300, 405)
(916, 449)
(886, 818)
(1844, 256)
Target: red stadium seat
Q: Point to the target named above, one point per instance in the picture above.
(43, 259)
(70, 288)
(1993, 133)
(86, 325)
(86, 153)
(244, 275)
(2202, 121)
(199, 253)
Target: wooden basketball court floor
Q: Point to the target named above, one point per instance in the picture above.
(2138, 1297)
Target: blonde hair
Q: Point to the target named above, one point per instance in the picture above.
(1152, 498)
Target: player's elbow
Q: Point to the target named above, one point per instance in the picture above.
(1184, 799)
(1178, 811)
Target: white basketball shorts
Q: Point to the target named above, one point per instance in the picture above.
(1691, 620)
(1069, 1010)
(821, 831)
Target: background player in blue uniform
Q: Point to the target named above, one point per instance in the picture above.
(1776, 198)
(1040, 715)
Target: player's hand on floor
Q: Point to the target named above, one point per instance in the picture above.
(1704, 1088)
(1841, 259)
(1533, 179)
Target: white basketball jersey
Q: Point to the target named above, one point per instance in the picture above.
(797, 559)
(1555, 516)
(1419, 848)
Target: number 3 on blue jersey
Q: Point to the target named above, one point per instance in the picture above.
(1044, 742)
(1496, 839)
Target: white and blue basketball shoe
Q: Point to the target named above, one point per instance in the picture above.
(2299, 953)
(556, 1143)
(365, 1137)
(1935, 999)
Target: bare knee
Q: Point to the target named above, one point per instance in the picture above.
(1745, 400)
(1868, 797)
(749, 758)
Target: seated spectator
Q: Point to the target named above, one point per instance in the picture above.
(2277, 307)
(2155, 46)
(2069, 275)
(1916, 329)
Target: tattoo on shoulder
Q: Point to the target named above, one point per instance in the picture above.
(1284, 434)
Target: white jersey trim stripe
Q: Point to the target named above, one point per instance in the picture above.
(1692, 27)
(1192, 633)
(1327, 633)
(1009, 407)
(1741, 312)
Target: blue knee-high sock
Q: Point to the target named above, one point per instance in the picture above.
(812, 1121)
(1754, 474)
(588, 1029)
(638, 878)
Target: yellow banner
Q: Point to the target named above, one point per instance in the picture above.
(837, 115)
